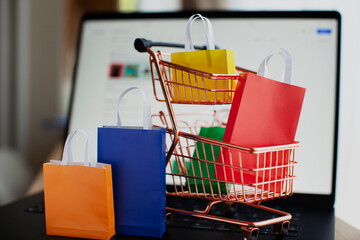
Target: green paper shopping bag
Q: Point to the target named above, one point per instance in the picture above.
(200, 168)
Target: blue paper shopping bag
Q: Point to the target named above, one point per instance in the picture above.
(137, 156)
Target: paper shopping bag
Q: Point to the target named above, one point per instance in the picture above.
(264, 113)
(191, 88)
(202, 169)
(138, 158)
(78, 196)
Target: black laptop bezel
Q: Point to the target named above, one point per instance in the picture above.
(304, 199)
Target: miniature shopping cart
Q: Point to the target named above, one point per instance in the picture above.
(194, 162)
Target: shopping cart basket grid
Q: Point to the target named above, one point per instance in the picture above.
(272, 174)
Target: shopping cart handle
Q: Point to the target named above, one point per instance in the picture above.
(141, 44)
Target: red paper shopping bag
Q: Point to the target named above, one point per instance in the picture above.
(264, 113)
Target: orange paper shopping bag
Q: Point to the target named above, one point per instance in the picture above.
(264, 113)
(196, 89)
(79, 196)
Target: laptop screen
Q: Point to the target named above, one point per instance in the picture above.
(107, 64)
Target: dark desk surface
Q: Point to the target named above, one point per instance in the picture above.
(343, 230)
(14, 227)
(11, 227)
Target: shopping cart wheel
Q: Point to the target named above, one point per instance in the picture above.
(280, 229)
(250, 233)
(169, 217)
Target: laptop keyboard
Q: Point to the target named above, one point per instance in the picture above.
(235, 211)
(38, 208)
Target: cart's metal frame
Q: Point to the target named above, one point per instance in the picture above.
(184, 148)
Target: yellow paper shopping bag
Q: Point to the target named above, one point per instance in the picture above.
(79, 196)
(188, 87)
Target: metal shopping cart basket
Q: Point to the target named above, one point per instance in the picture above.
(195, 163)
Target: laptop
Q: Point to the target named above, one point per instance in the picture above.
(107, 64)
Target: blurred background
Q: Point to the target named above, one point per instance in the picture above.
(37, 53)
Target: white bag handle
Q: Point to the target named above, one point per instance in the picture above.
(209, 33)
(263, 68)
(67, 158)
(146, 112)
